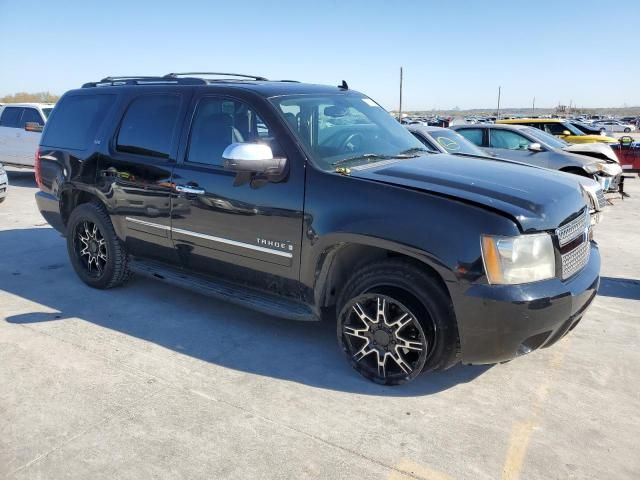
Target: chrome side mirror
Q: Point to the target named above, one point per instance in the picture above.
(247, 159)
(535, 147)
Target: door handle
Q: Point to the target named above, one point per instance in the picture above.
(188, 189)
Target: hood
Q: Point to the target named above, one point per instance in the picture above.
(596, 150)
(536, 198)
(591, 139)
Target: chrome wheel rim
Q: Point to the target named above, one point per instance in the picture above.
(91, 247)
(383, 338)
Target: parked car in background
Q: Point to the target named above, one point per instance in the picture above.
(446, 140)
(586, 128)
(21, 125)
(531, 145)
(559, 128)
(424, 260)
(614, 126)
(4, 184)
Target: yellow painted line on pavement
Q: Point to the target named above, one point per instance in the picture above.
(521, 431)
(416, 470)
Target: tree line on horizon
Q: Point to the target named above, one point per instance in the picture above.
(26, 97)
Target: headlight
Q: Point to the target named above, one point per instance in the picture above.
(594, 167)
(522, 259)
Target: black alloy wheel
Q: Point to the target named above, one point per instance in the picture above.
(91, 248)
(383, 339)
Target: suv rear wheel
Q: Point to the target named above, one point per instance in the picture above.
(396, 321)
(96, 254)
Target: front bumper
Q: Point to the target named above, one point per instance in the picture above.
(50, 209)
(500, 322)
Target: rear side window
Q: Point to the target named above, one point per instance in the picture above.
(10, 117)
(76, 119)
(148, 125)
(31, 115)
(474, 135)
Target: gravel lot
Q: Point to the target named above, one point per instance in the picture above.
(147, 381)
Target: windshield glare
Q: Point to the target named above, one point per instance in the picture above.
(455, 143)
(546, 138)
(341, 126)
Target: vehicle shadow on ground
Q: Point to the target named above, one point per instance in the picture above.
(21, 178)
(620, 288)
(217, 332)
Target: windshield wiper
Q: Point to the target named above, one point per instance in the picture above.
(410, 153)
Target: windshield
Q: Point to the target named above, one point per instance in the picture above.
(573, 129)
(455, 143)
(46, 112)
(346, 128)
(546, 138)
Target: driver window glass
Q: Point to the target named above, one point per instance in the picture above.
(218, 123)
(474, 135)
(509, 140)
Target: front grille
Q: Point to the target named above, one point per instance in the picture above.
(573, 229)
(575, 260)
(601, 200)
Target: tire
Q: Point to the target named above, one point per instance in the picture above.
(627, 130)
(400, 287)
(3, 199)
(104, 262)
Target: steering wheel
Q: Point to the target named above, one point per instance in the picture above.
(352, 143)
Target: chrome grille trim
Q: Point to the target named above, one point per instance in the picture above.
(575, 260)
(601, 200)
(573, 229)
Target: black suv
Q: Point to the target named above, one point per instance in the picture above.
(307, 201)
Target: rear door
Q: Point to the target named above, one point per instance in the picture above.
(136, 172)
(9, 134)
(244, 231)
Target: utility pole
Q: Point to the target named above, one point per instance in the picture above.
(498, 111)
(400, 109)
(533, 107)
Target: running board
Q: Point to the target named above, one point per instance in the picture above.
(229, 292)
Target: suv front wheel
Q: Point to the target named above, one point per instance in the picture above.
(395, 321)
(96, 254)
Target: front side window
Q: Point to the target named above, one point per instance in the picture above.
(31, 115)
(10, 117)
(148, 125)
(345, 127)
(508, 140)
(474, 135)
(218, 123)
(426, 142)
(546, 138)
(558, 128)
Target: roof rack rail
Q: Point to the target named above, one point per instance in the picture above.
(112, 81)
(222, 74)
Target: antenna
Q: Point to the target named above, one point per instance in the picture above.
(343, 86)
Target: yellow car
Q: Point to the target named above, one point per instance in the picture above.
(560, 128)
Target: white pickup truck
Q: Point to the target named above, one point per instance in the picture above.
(20, 130)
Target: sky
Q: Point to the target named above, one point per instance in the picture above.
(454, 54)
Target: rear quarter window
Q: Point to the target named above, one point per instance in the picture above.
(75, 121)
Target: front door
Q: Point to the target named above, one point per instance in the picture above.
(511, 145)
(249, 231)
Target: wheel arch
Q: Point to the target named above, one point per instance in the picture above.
(338, 261)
